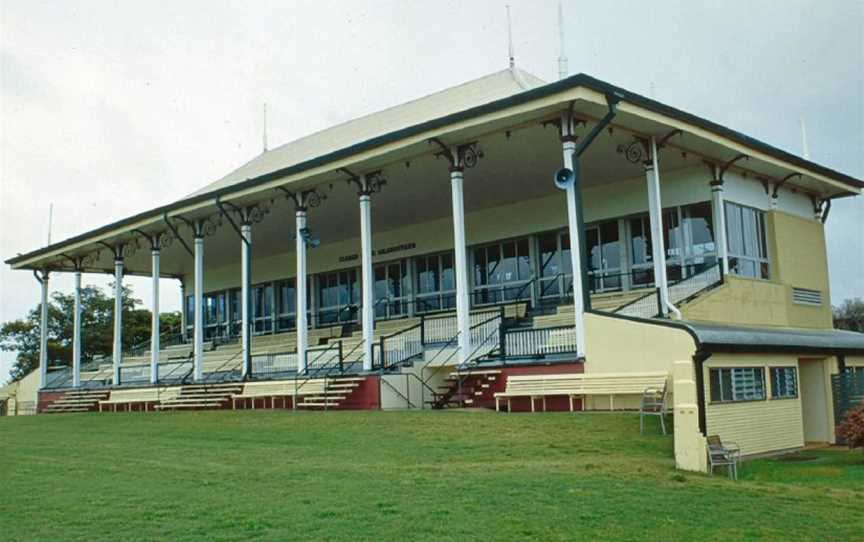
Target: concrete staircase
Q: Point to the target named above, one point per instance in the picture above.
(77, 401)
(202, 397)
(476, 389)
(320, 393)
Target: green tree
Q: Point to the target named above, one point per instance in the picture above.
(850, 315)
(97, 329)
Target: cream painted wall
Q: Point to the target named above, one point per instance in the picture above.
(749, 301)
(756, 426)
(22, 394)
(616, 345)
(751, 192)
(855, 361)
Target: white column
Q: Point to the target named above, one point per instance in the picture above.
(154, 323)
(655, 216)
(302, 328)
(245, 296)
(569, 147)
(117, 353)
(463, 306)
(76, 334)
(43, 333)
(368, 317)
(719, 218)
(198, 347)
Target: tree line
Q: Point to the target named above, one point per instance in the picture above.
(97, 329)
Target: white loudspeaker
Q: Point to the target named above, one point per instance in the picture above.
(564, 178)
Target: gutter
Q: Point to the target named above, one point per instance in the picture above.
(579, 80)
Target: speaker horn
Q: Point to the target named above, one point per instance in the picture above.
(564, 178)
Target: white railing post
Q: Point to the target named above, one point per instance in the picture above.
(718, 212)
(117, 351)
(463, 306)
(245, 296)
(655, 216)
(43, 329)
(368, 316)
(154, 323)
(198, 347)
(302, 326)
(569, 148)
(76, 333)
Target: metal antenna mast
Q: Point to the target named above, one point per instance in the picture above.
(562, 55)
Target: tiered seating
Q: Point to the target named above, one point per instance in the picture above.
(76, 401)
(316, 392)
(201, 397)
(578, 385)
(563, 316)
(173, 352)
(142, 397)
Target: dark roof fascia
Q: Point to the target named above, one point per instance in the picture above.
(491, 107)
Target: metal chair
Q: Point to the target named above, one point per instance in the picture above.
(653, 404)
(722, 454)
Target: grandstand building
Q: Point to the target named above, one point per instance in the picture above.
(557, 246)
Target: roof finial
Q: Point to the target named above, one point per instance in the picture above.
(562, 55)
(50, 220)
(805, 148)
(264, 131)
(510, 40)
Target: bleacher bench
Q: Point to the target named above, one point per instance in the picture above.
(132, 397)
(263, 390)
(578, 385)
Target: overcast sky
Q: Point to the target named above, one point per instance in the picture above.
(111, 108)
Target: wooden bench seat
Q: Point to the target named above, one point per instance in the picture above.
(144, 395)
(578, 385)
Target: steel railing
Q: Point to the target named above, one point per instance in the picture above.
(538, 342)
(680, 291)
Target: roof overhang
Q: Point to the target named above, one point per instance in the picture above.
(586, 96)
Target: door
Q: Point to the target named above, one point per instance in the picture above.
(814, 401)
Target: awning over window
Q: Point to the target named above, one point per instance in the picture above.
(721, 338)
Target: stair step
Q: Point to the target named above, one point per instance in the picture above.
(318, 404)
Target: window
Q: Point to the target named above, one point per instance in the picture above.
(338, 297)
(859, 371)
(701, 252)
(500, 272)
(436, 283)
(738, 384)
(745, 232)
(784, 382)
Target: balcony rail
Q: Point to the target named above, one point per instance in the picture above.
(539, 342)
(680, 291)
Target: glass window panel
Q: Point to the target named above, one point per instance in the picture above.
(481, 276)
(448, 277)
(493, 264)
(549, 256)
(508, 265)
(524, 264)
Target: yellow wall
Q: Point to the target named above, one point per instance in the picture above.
(22, 394)
(798, 260)
(756, 426)
(616, 345)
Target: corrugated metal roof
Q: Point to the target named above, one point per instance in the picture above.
(474, 93)
(722, 338)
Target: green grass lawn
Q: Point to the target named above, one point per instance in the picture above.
(398, 476)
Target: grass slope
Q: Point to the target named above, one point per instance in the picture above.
(397, 476)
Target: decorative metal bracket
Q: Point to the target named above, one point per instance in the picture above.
(305, 199)
(640, 149)
(467, 155)
(120, 250)
(368, 183)
(725, 167)
(41, 275)
(158, 240)
(247, 215)
(783, 181)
